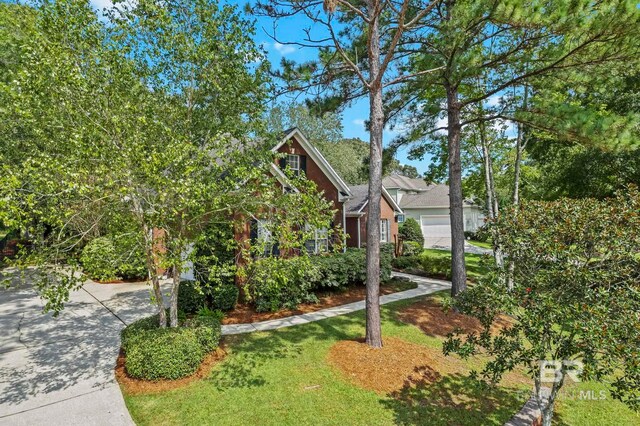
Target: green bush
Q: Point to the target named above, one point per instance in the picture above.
(274, 283)
(340, 270)
(406, 262)
(191, 297)
(411, 248)
(224, 297)
(436, 266)
(410, 230)
(154, 353)
(99, 259)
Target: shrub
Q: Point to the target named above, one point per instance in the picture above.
(191, 297)
(224, 297)
(99, 259)
(274, 283)
(411, 248)
(437, 266)
(406, 262)
(410, 230)
(339, 270)
(154, 353)
(480, 235)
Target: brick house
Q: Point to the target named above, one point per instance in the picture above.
(350, 202)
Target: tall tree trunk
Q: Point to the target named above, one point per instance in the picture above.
(458, 268)
(516, 168)
(492, 198)
(152, 270)
(376, 116)
(173, 309)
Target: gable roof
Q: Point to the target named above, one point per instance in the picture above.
(318, 158)
(395, 181)
(360, 198)
(436, 195)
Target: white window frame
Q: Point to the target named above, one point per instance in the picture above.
(401, 218)
(320, 240)
(384, 230)
(293, 162)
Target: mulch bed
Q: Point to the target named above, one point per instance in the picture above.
(243, 314)
(137, 387)
(396, 365)
(428, 315)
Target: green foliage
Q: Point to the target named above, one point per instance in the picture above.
(411, 248)
(191, 297)
(274, 283)
(224, 297)
(406, 262)
(410, 230)
(99, 259)
(437, 266)
(575, 296)
(154, 353)
(340, 270)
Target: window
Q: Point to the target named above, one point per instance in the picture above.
(293, 161)
(320, 241)
(384, 230)
(400, 218)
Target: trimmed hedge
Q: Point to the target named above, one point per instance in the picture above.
(154, 353)
(407, 262)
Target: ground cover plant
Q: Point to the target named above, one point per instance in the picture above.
(318, 390)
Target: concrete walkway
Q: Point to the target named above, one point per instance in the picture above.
(59, 371)
(425, 286)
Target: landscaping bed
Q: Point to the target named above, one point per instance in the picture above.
(244, 313)
(308, 374)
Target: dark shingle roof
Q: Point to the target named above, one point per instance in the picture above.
(359, 196)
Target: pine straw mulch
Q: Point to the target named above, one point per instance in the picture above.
(390, 368)
(138, 387)
(243, 314)
(429, 317)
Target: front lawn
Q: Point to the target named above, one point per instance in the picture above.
(289, 377)
(474, 262)
(483, 244)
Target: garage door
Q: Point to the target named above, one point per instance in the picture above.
(436, 226)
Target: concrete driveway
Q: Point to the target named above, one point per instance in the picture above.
(57, 371)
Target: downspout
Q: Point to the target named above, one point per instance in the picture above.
(359, 231)
(344, 229)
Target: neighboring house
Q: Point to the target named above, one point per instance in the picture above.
(356, 213)
(429, 205)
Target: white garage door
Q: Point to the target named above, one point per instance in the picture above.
(437, 226)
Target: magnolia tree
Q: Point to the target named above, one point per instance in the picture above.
(150, 115)
(575, 300)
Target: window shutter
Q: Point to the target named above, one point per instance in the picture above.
(283, 163)
(303, 163)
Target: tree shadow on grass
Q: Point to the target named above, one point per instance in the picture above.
(454, 399)
(251, 351)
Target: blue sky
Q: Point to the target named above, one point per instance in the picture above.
(291, 30)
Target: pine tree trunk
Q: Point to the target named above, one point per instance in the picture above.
(373, 326)
(458, 268)
(492, 199)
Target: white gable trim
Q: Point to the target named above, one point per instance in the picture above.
(318, 158)
(387, 197)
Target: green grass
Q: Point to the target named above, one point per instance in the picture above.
(282, 378)
(485, 244)
(474, 262)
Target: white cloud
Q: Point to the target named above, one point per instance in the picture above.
(358, 122)
(283, 49)
(101, 4)
(493, 100)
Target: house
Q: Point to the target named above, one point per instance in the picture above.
(349, 202)
(356, 214)
(429, 205)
